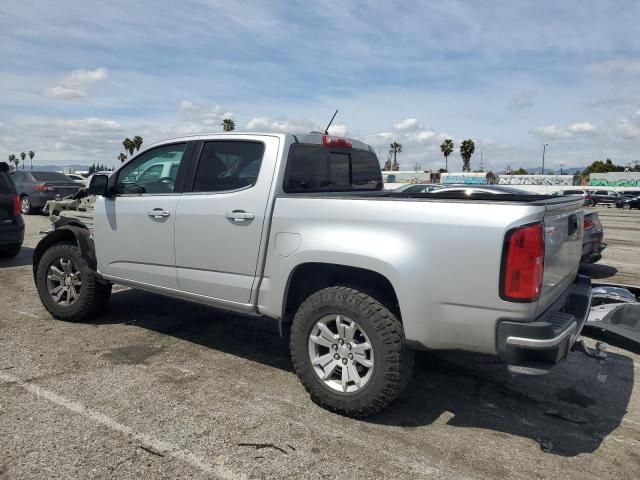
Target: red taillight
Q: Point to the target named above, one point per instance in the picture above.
(336, 142)
(43, 187)
(588, 224)
(16, 206)
(523, 264)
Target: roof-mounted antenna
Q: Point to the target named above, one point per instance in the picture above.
(326, 130)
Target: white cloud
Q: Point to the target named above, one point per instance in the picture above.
(556, 132)
(74, 86)
(581, 128)
(407, 125)
(629, 128)
(204, 116)
(616, 66)
(265, 124)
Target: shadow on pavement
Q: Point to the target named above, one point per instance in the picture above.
(23, 258)
(597, 271)
(568, 412)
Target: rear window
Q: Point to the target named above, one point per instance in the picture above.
(6, 185)
(316, 168)
(50, 177)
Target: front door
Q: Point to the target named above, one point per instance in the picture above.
(220, 221)
(134, 229)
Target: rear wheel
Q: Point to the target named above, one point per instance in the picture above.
(626, 206)
(10, 251)
(349, 352)
(25, 205)
(66, 286)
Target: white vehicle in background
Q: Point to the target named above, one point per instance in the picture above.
(79, 179)
(297, 228)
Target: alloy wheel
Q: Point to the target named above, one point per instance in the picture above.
(63, 281)
(341, 353)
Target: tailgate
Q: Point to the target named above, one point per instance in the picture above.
(563, 228)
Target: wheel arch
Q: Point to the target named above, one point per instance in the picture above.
(69, 231)
(311, 277)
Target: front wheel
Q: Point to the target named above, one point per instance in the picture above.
(348, 351)
(66, 286)
(626, 206)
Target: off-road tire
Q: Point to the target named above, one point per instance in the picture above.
(93, 297)
(394, 361)
(10, 251)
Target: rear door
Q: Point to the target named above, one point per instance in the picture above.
(134, 229)
(221, 216)
(564, 229)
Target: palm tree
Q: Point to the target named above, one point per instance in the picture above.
(31, 155)
(128, 145)
(122, 157)
(23, 156)
(16, 160)
(228, 125)
(394, 149)
(447, 149)
(466, 150)
(12, 159)
(137, 142)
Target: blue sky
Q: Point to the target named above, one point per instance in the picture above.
(77, 77)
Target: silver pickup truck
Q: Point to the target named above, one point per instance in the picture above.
(297, 228)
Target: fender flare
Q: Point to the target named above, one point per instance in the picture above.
(67, 230)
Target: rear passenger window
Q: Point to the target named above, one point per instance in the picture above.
(317, 168)
(228, 165)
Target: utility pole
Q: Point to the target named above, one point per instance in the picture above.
(561, 165)
(482, 160)
(544, 150)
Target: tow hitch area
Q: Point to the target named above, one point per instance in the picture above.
(598, 353)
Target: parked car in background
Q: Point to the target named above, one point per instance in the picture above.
(36, 188)
(605, 197)
(592, 245)
(417, 187)
(79, 179)
(11, 222)
(627, 203)
(589, 199)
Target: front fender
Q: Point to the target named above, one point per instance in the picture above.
(71, 231)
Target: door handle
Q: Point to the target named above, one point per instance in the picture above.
(158, 213)
(240, 216)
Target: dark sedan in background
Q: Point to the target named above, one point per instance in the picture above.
(35, 188)
(627, 203)
(11, 222)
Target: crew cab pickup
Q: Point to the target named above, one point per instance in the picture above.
(297, 228)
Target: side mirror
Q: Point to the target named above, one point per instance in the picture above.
(99, 185)
(4, 167)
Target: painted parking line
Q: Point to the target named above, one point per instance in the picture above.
(148, 442)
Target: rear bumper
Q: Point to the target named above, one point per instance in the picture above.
(547, 340)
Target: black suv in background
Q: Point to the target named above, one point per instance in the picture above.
(37, 188)
(11, 222)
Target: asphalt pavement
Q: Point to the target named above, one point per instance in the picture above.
(160, 388)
